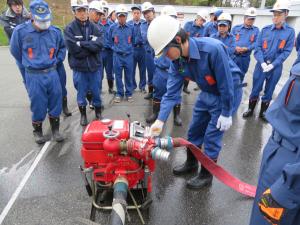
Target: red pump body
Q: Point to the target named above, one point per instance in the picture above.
(122, 155)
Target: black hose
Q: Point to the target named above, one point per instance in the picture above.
(119, 202)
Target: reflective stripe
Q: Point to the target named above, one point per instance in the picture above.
(52, 50)
(265, 44)
(30, 53)
(282, 44)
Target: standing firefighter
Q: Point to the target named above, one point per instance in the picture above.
(160, 78)
(245, 37)
(139, 50)
(121, 36)
(15, 14)
(84, 42)
(212, 27)
(149, 14)
(107, 53)
(224, 35)
(206, 62)
(39, 47)
(274, 44)
(277, 199)
(195, 28)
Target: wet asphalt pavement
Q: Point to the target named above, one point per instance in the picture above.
(55, 194)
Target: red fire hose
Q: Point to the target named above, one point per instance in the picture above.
(216, 170)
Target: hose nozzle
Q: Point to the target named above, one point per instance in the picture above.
(160, 154)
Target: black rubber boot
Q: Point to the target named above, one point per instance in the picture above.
(263, 108)
(83, 118)
(111, 86)
(249, 112)
(89, 97)
(155, 111)
(177, 119)
(65, 107)
(98, 113)
(185, 87)
(201, 180)
(190, 165)
(150, 93)
(39, 138)
(54, 123)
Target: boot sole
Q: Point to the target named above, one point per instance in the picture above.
(191, 187)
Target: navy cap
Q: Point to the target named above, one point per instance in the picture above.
(223, 22)
(136, 7)
(218, 12)
(296, 69)
(40, 10)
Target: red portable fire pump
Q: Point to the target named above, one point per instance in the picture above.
(120, 158)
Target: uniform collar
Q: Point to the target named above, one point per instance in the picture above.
(283, 26)
(137, 22)
(193, 49)
(219, 35)
(244, 26)
(125, 25)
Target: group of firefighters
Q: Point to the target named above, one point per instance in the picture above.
(207, 50)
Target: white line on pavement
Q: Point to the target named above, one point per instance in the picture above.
(23, 182)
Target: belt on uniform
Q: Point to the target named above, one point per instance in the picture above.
(138, 46)
(283, 142)
(40, 71)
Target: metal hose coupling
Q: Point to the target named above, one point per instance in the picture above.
(160, 154)
(164, 143)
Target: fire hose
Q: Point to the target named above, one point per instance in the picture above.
(216, 170)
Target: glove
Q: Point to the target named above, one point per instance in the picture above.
(94, 38)
(270, 209)
(78, 43)
(264, 66)
(268, 68)
(156, 128)
(224, 123)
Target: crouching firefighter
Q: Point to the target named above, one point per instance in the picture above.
(39, 47)
(277, 199)
(206, 62)
(84, 42)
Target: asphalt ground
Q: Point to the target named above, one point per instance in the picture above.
(54, 193)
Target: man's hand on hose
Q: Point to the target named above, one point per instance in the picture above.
(270, 209)
(156, 128)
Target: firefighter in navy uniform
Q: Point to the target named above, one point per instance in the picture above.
(84, 42)
(139, 50)
(39, 47)
(277, 199)
(274, 44)
(245, 38)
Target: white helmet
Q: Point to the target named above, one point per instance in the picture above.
(96, 5)
(121, 10)
(213, 10)
(224, 17)
(251, 12)
(161, 32)
(203, 14)
(104, 4)
(147, 6)
(79, 4)
(168, 10)
(281, 6)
